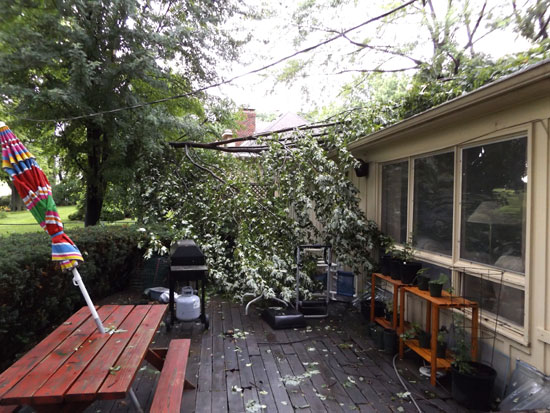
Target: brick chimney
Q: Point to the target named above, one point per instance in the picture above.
(248, 124)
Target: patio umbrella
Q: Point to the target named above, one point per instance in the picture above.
(35, 191)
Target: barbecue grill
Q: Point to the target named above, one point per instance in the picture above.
(187, 263)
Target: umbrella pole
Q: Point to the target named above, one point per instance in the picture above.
(77, 280)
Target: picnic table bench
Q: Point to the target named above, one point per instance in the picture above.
(76, 365)
(172, 362)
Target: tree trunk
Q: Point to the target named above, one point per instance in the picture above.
(16, 203)
(95, 181)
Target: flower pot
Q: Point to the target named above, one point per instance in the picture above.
(390, 341)
(435, 289)
(379, 308)
(423, 282)
(370, 328)
(395, 268)
(473, 390)
(378, 336)
(408, 271)
(385, 264)
(441, 350)
(424, 339)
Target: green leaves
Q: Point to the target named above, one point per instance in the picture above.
(250, 218)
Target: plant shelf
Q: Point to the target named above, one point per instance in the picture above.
(383, 322)
(426, 354)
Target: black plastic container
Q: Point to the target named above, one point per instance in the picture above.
(379, 308)
(385, 264)
(473, 390)
(441, 350)
(395, 268)
(423, 282)
(370, 326)
(378, 337)
(435, 289)
(408, 271)
(390, 341)
(424, 339)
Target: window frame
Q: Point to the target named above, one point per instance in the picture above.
(410, 218)
(455, 263)
(381, 189)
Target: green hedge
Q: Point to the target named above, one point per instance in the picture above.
(35, 296)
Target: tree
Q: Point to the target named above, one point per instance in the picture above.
(532, 21)
(249, 214)
(63, 59)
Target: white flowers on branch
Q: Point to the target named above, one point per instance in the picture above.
(249, 225)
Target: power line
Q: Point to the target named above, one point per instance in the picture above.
(224, 82)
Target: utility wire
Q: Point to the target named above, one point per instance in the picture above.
(223, 82)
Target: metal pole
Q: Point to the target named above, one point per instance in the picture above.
(77, 280)
(135, 400)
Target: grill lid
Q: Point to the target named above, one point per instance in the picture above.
(186, 252)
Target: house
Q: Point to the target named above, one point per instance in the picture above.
(249, 128)
(470, 180)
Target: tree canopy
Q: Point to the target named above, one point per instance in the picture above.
(63, 59)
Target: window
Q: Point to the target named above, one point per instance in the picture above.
(395, 179)
(433, 272)
(433, 203)
(489, 237)
(494, 183)
(496, 298)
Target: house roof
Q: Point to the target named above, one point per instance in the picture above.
(527, 84)
(288, 120)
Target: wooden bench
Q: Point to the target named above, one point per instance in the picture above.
(172, 381)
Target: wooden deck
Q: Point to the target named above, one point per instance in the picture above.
(330, 366)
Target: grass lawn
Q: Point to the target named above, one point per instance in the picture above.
(23, 221)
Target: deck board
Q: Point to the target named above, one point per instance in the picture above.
(256, 362)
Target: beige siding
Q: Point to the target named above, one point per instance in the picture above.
(496, 118)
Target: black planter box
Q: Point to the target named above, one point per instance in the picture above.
(408, 271)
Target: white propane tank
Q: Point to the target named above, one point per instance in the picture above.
(188, 305)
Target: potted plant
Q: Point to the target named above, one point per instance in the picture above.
(436, 286)
(408, 267)
(441, 349)
(395, 264)
(472, 382)
(422, 280)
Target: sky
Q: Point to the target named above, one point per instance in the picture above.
(275, 37)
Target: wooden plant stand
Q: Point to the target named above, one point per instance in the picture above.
(446, 301)
(397, 284)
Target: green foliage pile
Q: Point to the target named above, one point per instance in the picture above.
(36, 296)
(249, 214)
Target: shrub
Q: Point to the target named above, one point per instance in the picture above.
(78, 215)
(111, 214)
(35, 295)
(107, 215)
(5, 200)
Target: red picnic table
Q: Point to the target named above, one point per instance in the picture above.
(76, 365)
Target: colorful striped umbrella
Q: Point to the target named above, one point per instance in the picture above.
(35, 191)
